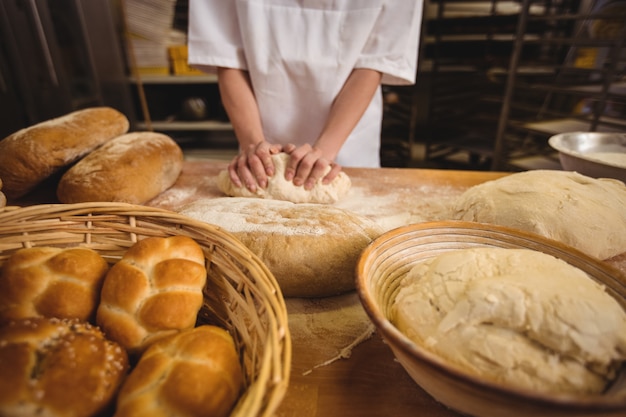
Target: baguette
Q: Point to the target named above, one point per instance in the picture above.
(32, 154)
(132, 168)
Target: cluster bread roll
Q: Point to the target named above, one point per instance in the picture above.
(51, 282)
(32, 154)
(193, 373)
(58, 368)
(132, 168)
(155, 290)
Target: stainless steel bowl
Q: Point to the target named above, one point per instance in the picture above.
(595, 154)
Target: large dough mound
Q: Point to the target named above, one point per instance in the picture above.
(280, 189)
(586, 213)
(312, 249)
(515, 316)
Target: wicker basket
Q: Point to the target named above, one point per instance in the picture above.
(241, 293)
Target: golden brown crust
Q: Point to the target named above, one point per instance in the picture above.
(51, 282)
(311, 249)
(194, 373)
(57, 368)
(132, 168)
(30, 155)
(155, 290)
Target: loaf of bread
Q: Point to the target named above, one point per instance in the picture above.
(59, 368)
(312, 249)
(132, 168)
(30, 155)
(155, 290)
(51, 282)
(193, 373)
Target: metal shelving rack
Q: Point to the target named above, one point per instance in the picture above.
(584, 90)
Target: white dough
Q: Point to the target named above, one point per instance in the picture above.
(278, 188)
(586, 213)
(515, 316)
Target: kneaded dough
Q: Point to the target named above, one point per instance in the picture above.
(280, 189)
(311, 249)
(514, 316)
(586, 213)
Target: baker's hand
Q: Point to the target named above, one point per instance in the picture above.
(253, 165)
(307, 165)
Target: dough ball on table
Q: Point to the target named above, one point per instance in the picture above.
(586, 213)
(193, 373)
(514, 316)
(154, 291)
(280, 189)
(51, 282)
(52, 367)
(311, 249)
(30, 155)
(132, 168)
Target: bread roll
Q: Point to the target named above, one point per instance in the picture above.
(58, 368)
(132, 168)
(155, 290)
(193, 373)
(51, 282)
(30, 155)
(311, 249)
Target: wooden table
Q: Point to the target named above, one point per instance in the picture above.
(370, 382)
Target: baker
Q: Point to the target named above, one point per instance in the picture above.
(304, 77)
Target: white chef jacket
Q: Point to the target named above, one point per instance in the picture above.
(299, 54)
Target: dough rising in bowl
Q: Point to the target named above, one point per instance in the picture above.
(515, 316)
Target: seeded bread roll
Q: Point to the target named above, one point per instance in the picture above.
(58, 368)
(51, 282)
(193, 373)
(132, 168)
(30, 155)
(154, 291)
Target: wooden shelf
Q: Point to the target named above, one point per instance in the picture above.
(202, 125)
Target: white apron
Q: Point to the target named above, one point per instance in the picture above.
(299, 53)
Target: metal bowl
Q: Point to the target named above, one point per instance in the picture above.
(598, 155)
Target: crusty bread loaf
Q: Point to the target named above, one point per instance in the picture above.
(193, 373)
(132, 168)
(57, 368)
(51, 282)
(312, 249)
(32, 154)
(155, 290)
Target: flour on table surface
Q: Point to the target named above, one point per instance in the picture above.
(324, 330)
(407, 205)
